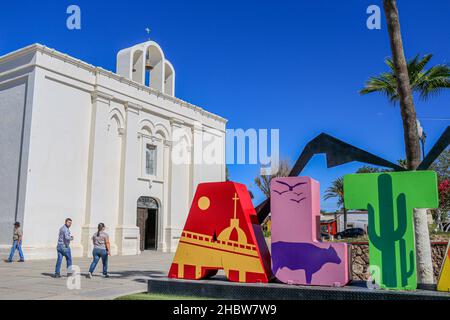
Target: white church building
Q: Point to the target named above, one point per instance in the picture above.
(82, 142)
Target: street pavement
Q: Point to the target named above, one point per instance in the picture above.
(33, 280)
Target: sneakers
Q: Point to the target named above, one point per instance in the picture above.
(89, 275)
(8, 261)
(21, 261)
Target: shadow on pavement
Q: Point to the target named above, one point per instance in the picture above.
(138, 275)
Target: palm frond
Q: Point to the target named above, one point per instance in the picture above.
(385, 83)
(420, 65)
(336, 190)
(390, 63)
(433, 81)
(426, 83)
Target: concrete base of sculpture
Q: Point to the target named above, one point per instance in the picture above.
(219, 288)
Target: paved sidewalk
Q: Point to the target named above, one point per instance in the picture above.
(33, 279)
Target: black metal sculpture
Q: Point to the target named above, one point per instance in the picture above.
(436, 151)
(339, 152)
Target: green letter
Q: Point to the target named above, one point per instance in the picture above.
(390, 199)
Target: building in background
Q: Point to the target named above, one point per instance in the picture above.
(333, 222)
(355, 219)
(119, 148)
(328, 224)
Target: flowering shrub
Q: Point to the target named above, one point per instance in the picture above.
(441, 214)
(444, 195)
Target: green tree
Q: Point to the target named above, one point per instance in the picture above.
(368, 169)
(442, 165)
(336, 190)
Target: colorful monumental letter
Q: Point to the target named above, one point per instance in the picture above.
(298, 257)
(222, 232)
(390, 199)
(444, 278)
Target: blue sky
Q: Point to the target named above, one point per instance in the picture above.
(296, 65)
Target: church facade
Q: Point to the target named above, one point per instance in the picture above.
(82, 142)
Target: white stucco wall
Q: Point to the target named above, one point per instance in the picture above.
(354, 220)
(58, 161)
(16, 87)
(12, 109)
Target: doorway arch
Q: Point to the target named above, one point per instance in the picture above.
(147, 221)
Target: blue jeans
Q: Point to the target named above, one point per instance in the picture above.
(16, 246)
(66, 253)
(97, 254)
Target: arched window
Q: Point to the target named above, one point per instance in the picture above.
(138, 67)
(169, 79)
(154, 67)
(150, 159)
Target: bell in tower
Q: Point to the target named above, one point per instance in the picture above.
(146, 64)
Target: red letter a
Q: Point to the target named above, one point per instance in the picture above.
(222, 232)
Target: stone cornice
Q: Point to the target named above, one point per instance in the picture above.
(161, 95)
(97, 95)
(197, 127)
(133, 107)
(100, 71)
(176, 122)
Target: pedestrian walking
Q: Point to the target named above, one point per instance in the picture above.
(17, 243)
(101, 250)
(63, 248)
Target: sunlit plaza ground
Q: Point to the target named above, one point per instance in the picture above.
(128, 275)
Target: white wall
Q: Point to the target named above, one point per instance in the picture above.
(12, 110)
(58, 161)
(359, 220)
(110, 215)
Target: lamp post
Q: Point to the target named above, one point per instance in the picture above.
(422, 137)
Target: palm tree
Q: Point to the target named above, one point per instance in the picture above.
(425, 82)
(336, 190)
(408, 110)
(410, 133)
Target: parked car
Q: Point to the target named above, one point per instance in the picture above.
(350, 233)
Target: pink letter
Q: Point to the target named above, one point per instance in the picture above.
(298, 256)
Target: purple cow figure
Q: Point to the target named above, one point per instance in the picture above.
(302, 256)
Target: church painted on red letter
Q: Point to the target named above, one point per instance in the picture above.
(222, 232)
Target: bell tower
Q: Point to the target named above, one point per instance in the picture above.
(146, 64)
